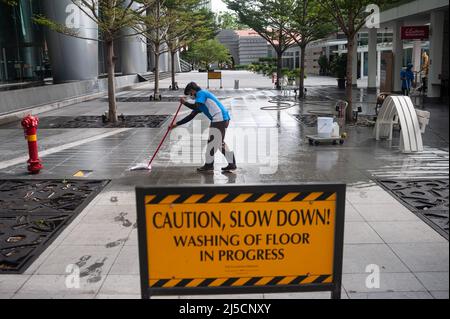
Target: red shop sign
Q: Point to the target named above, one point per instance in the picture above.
(421, 32)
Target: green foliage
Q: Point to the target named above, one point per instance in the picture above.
(266, 17)
(351, 15)
(294, 74)
(251, 67)
(285, 71)
(111, 17)
(269, 69)
(9, 2)
(208, 52)
(309, 21)
(241, 67)
(338, 66)
(154, 25)
(266, 66)
(209, 18)
(229, 21)
(186, 24)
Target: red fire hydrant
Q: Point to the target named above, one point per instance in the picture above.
(30, 124)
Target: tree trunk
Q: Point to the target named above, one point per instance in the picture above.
(111, 83)
(172, 68)
(279, 67)
(156, 91)
(301, 89)
(349, 77)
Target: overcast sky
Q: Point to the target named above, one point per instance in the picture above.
(218, 5)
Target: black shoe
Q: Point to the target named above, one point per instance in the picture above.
(229, 168)
(206, 168)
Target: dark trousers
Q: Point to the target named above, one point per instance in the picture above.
(216, 141)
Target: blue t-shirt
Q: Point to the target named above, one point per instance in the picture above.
(407, 77)
(211, 106)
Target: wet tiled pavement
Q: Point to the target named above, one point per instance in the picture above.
(379, 230)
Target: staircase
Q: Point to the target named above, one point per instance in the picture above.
(185, 66)
(150, 77)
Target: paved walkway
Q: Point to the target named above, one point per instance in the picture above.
(413, 258)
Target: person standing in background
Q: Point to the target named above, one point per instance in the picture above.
(407, 77)
(424, 70)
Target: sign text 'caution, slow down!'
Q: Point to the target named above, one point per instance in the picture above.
(225, 237)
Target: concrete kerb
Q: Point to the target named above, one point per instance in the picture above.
(38, 109)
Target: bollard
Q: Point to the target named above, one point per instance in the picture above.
(30, 124)
(236, 84)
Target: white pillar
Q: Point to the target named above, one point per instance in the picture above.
(372, 59)
(436, 51)
(397, 48)
(355, 62)
(361, 67)
(133, 49)
(417, 55)
(164, 62)
(177, 62)
(378, 68)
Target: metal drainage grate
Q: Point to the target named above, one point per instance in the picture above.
(34, 212)
(426, 198)
(128, 121)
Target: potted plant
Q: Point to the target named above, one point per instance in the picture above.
(339, 69)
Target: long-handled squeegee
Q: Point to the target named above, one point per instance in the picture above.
(148, 167)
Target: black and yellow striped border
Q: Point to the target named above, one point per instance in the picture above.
(241, 281)
(240, 198)
(229, 194)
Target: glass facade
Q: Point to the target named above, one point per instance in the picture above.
(23, 54)
(30, 53)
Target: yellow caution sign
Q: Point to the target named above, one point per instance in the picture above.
(258, 237)
(214, 75)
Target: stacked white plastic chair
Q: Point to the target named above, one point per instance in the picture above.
(400, 109)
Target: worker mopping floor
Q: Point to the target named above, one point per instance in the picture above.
(208, 104)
